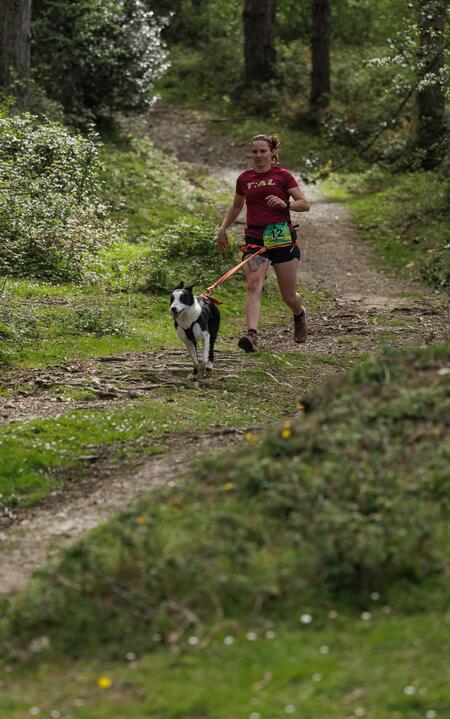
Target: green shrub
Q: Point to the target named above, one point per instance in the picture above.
(51, 220)
(99, 321)
(436, 270)
(185, 251)
(16, 324)
(348, 500)
(99, 55)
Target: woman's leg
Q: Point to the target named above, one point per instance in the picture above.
(255, 273)
(287, 280)
(286, 273)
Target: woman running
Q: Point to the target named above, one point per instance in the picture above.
(270, 192)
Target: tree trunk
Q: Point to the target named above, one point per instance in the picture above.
(320, 55)
(259, 41)
(430, 97)
(15, 20)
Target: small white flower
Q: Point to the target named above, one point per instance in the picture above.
(333, 614)
(360, 711)
(317, 677)
(374, 596)
(34, 711)
(255, 715)
(324, 649)
(409, 690)
(251, 636)
(305, 619)
(130, 656)
(289, 709)
(270, 634)
(193, 641)
(430, 714)
(55, 714)
(228, 641)
(366, 616)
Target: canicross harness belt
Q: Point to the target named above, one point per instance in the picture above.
(260, 250)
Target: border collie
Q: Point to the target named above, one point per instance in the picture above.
(196, 319)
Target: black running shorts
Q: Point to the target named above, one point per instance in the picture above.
(276, 255)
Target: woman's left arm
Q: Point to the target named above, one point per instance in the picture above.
(300, 203)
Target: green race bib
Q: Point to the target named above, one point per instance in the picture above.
(276, 235)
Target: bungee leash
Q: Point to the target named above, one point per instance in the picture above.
(207, 293)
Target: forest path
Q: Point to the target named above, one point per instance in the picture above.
(365, 309)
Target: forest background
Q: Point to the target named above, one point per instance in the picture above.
(333, 611)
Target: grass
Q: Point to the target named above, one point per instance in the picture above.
(46, 333)
(39, 455)
(385, 668)
(139, 185)
(190, 605)
(330, 508)
(403, 216)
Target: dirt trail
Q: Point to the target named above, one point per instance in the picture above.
(365, 309)
(62, 519)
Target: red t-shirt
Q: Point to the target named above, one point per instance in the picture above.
(255, 187)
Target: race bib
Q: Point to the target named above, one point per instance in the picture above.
(276, 235)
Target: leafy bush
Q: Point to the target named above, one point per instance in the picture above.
(186, 251)
(51, 221)
(99, 321)
(436, 270)
(16, 324)
(103, 55)
(350, 499)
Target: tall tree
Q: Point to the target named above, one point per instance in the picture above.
(320, 55)
(259, 41)
(15, 20)
(430, 96)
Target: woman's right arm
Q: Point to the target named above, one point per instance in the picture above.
(231, 216)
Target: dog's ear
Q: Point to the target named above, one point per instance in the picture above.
(180, 286)
(189, 287)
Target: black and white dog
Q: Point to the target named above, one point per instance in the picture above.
(196, 319)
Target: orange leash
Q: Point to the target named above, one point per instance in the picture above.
(228, 274)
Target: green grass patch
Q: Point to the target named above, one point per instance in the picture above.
(38, 456)
(381, 668)
(403, 216)
(348, 500)
(78, 323)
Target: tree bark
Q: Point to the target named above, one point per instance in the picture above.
(259, 41)
(15, 21)
(430, 97)
(320, 55)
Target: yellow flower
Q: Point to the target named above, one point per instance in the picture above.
(140, 520)
(104, 682)
(299, 405)
(228, 486)
(286, 433)
(287, 424)
(251, 437)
